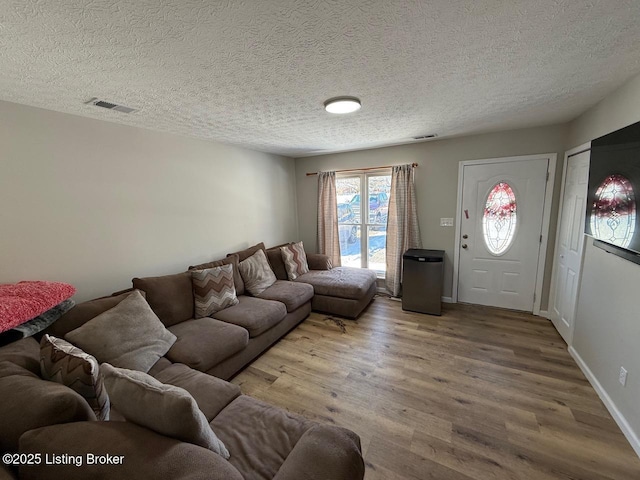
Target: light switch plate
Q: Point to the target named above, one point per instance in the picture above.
(446, 222)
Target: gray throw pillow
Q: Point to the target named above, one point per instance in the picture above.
(257, 273)
(166, 409)
(128, 335)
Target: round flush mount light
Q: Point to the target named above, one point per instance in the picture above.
(342, 105)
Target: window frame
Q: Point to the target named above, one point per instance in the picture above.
(365, 224)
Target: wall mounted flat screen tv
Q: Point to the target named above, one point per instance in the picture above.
(613, 218)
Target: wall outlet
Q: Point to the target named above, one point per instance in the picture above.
(446, 222)
(623, 376)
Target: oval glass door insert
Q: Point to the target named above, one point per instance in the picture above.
(499, 219)
(613, 213)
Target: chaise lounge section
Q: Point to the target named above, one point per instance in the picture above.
(342, 291)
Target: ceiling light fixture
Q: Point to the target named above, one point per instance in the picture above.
(342, 105)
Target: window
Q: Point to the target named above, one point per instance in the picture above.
(499, 219)
(363, 229)
(613, 213)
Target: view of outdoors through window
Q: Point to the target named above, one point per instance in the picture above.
(363, 229)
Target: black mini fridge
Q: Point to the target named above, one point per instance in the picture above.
(422, 280)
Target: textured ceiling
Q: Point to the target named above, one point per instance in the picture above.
(256, 73)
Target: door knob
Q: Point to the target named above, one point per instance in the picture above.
(465, 236)
(464, 245)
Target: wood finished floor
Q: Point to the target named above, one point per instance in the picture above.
(478, 393)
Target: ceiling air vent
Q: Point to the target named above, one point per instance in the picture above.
(425, 137)
(110, 106)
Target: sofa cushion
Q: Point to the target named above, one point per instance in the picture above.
(342, 282)
(160, 365)
(277, 264)
(24, 352)
(324, 451)
(261, 436)
(63, 363)
(213, 290)
(210, 393)
(293, 295)
(232, 259)
(170, 296)
(319, 261)
(256, 273)
(166, 409)
(295, 260)
(34, 403)
(146, 455)
(128, 336)
(247, 252)
(257, 315)
(204, 342)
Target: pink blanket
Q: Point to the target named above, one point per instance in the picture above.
(22, 301)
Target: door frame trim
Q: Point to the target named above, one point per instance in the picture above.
(554, 273)
(546, 218)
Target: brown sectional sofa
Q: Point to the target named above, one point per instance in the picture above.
(47, 418)
(223, 345)
(266, 441)
(232, 338)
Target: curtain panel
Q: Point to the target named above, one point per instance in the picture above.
(328, 239)
(403, 231)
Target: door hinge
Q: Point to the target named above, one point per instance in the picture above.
(547, 176)
(540, 238)
(534, 297)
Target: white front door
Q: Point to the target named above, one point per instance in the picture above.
(500, 232)
(570, 244)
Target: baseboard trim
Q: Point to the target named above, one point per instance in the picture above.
(447, 300)
(628, 432)
(545, 314)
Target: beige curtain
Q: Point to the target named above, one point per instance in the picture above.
(328, 240)
(403, 231)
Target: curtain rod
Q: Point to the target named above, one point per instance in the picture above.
(309, 174)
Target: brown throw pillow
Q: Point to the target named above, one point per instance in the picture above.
(213, 290)
(295, 260)
(166, 409)
(128, 335)
(256, 273)
(63, 363)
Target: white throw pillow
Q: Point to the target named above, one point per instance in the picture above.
(256, 273)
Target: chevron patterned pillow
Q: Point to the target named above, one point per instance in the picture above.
(213, 290)
(295, 260)
(63, 363)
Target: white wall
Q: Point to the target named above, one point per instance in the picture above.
(436, 181)
(607, 326)
(94, 203)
